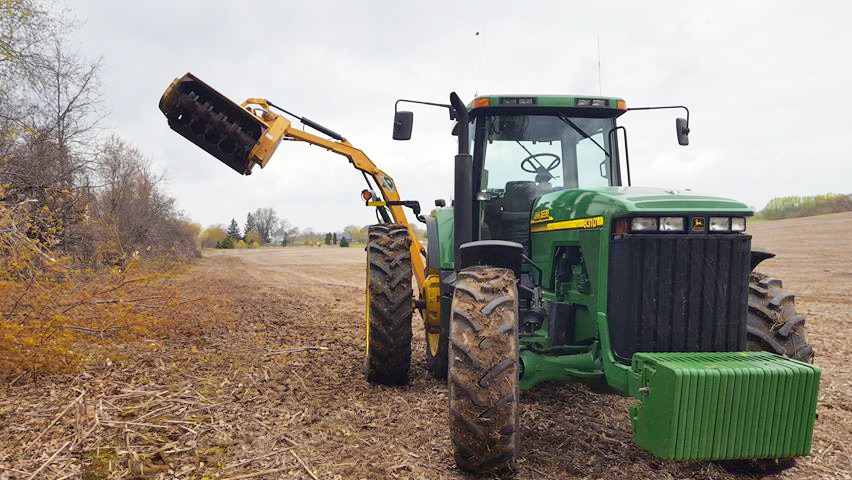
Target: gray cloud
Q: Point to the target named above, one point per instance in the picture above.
(766, 83)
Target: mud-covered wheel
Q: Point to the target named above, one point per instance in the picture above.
(484, 369)
(773, 323)
(389, 304)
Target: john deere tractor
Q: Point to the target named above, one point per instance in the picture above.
(546, 267)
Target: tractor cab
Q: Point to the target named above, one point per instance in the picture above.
(526, 147)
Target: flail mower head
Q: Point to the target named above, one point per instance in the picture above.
(234, 134)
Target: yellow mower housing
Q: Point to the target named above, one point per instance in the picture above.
(240, 136)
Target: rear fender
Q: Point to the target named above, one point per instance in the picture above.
(757, 256)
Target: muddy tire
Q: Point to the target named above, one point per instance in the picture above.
(484, 369)
(389, 304)
(773, 324)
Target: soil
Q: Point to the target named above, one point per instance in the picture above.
(281, 392)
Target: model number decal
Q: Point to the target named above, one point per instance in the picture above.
(577, 223)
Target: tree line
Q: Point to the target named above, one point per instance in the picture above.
(793, 206)
(264, 227)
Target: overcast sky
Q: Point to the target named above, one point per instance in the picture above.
(767, 83)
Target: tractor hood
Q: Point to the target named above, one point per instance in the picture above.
(615, 201)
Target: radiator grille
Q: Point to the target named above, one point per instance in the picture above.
(678, 293)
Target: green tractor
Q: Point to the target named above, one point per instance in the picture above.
(547, 268)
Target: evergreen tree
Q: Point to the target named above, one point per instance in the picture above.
(328, 238)
(344, 242)
(251, 224)
(233, 230)
(334, 238)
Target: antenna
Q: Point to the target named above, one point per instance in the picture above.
(481, 52)
(600, 90)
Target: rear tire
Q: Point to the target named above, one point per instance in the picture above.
(773, 323)
(389, 304)
(484, 369)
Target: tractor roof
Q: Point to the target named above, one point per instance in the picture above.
(572, 101)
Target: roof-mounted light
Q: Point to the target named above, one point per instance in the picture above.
(591, 102)
(517, 101)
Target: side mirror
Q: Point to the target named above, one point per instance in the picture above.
(682, 131)
(403, 122)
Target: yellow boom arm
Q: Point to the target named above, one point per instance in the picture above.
(281, 127)
(247, 135)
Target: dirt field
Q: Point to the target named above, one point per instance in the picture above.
(281, 392)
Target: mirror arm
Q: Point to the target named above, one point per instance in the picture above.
(443, 105)
(664, 108)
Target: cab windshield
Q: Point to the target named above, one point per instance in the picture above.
(555, 151)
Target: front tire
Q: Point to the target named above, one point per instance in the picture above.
(484, 369)
(389, 304)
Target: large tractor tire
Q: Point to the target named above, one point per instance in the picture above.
(773, 324)
(484, 369)
(389, 304)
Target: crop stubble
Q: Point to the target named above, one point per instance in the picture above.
(281, 393)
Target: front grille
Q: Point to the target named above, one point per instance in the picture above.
(678, 293)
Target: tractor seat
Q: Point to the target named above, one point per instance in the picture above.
(515, 214)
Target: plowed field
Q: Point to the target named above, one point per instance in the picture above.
(280, 392)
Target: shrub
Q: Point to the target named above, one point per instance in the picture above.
(344, 242)
(213, 236)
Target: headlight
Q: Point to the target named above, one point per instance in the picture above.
(738, 224)
(671, 224)
(643, 224)
(720, 224)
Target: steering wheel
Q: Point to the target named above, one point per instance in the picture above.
(532, 164)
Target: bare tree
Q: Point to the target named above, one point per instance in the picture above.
(49, 104)
(99, 201)
(265, 219)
